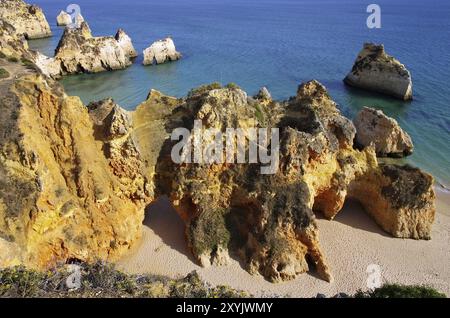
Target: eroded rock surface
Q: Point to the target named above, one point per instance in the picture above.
(75, 180)
(373, 126)
(12, 44)
(377, 71)
(161, 51)
(400, 199)
(65, 19)
(125, 43)
(62, 196)
(80, 52)
(28, 20)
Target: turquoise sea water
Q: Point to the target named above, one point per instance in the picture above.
(279, 44)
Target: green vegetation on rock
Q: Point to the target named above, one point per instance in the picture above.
(3, 73)
(208, 232)
(13, 59)
(204, 89)
(401, 291)
(232, 86)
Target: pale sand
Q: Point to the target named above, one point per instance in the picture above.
(351, 242)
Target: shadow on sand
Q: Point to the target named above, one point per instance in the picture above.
(164, 221)
(353, 215)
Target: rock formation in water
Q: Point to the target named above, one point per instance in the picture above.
(65, 19)
(80, 52)
(28, 20)
(75, 180)
(125, 43)
(373, 126)
(377, 71)
(161, 51)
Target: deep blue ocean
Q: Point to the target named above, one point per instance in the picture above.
(279, 44)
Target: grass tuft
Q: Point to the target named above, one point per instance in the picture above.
(3, 73)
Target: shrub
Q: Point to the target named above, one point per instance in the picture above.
(3, 73)
(401, 291)
(29, 64)
(103, 280)
(204, 89)
(208, 232)
(232, 86)
(20, 282)
(13, 59)
(259, 114)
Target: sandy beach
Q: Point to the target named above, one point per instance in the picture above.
(351, 243)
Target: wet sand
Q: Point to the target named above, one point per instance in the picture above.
(351, 243)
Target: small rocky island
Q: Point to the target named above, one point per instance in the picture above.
(377, 71)
(161, 51)
(28, 20)
(79, 51)
(65, 19)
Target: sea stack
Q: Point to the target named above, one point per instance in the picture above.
(28, 20)
(373, 126)
(79, 51)
(377, 71)
(161, 51)
(125, 43)
(63, 19)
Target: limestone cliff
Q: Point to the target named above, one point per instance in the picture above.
(62, 194)
(12, 45)
(74, 180)
(28, 20)
(377, 71)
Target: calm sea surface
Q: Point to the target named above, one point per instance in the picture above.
(279, 44)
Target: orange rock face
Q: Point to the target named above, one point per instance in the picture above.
(75, 180)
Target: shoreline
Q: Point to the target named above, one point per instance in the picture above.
(351, 242)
